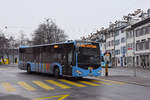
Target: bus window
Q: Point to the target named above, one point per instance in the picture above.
(88, 56)
(70, 57)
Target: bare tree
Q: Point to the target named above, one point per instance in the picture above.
(22, 40)
(48, 32)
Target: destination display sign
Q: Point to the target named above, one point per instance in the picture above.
(86, 45)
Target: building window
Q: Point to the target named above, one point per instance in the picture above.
(112, 42)
(131, 34)
(117, 52)
(117, 42)
(116, 33)
(147, 45)
(143, 44)
(149, 29)
(146, 30)
(142, 31)
(118, 61)
(122, 40)
(137, 32)
(140, 46)
(137, 45)
(112, 52)
(127, 35)
(123, 50)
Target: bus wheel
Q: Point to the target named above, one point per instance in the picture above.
(56, 73)
(29, 69)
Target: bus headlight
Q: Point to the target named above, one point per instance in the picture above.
(77, 71)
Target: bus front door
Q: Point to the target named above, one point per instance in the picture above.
(66, 65)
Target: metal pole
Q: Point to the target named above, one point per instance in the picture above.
(114, 47)
(13, 51)
(134, 67)
(106, 69)
(126, 55)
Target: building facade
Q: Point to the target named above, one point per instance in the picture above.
(128, 40)
(142, 43)
(116, 43)
(129, 45)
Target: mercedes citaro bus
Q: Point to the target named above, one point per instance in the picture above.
(71, 58)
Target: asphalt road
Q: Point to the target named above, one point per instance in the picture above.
(19, 85)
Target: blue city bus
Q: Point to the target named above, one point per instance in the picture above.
(71, 58)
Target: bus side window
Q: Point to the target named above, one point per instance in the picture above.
(70, 57)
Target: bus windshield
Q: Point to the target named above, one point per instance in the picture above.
(88, 54)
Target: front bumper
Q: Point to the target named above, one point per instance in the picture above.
(80, 72)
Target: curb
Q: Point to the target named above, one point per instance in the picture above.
(135, 83)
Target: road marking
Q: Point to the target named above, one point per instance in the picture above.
(8, 87)
(61, 97)
(26, 86)
(98, 81)
(89, 83)
(115, 82)
(43, 85)
(58, 84)
(72, 83)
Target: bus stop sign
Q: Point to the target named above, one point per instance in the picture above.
(107, 57)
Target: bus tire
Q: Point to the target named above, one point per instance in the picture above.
(28, 69)
(56, 72)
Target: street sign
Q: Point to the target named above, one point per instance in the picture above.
(107, 57)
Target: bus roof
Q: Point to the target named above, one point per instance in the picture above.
(69, 41)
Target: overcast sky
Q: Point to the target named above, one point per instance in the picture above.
(77, 17)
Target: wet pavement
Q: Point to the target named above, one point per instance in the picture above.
(19, 85)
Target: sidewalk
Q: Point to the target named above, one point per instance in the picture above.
(127, 75)
(129, 80)
(9, 65)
